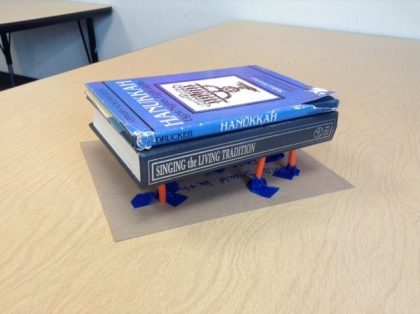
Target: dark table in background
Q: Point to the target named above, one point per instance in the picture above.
(22, 15)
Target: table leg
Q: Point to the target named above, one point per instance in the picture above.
(91, 53)
(5, 40)
(84, 41)
(92, 40)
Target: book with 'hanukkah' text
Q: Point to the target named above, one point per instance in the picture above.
(159, 110)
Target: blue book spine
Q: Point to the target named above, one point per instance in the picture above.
(141, 135)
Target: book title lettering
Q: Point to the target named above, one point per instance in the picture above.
(248, 121)
(159, 112)
(203, 159)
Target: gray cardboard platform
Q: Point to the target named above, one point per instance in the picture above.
(211, 196)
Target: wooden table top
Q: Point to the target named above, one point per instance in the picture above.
(352, 251)
(24, 14)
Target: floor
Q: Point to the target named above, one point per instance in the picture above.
(20, 80)
(4, 85)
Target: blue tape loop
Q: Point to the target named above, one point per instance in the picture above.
(172, 186)
(287, 172)
(143, 199)
(174, 199)
(148, 198)
(260, 187)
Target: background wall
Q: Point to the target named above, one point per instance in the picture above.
(137, 24)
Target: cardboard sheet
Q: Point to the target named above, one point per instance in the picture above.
(212, 195)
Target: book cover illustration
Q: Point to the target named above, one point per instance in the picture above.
(172, 108)
(217, 93)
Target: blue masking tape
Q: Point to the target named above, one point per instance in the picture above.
(174, 199)
(287, 172)
(143, 199)
(172, 186)
(260, 187)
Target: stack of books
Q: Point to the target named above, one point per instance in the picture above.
(168, 127)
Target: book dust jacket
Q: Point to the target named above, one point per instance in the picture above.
(172, 108)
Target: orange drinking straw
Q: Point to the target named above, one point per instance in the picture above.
(292, 158)
(260, 168)
(162, 193)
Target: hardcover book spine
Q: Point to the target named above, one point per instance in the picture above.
(217, 152)
(142, 136)
(230, 125)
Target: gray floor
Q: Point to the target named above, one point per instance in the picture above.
(5, 82)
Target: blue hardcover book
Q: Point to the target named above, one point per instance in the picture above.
(165, 109)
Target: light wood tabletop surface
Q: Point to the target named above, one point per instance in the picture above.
(23, 11)
(354, 251)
